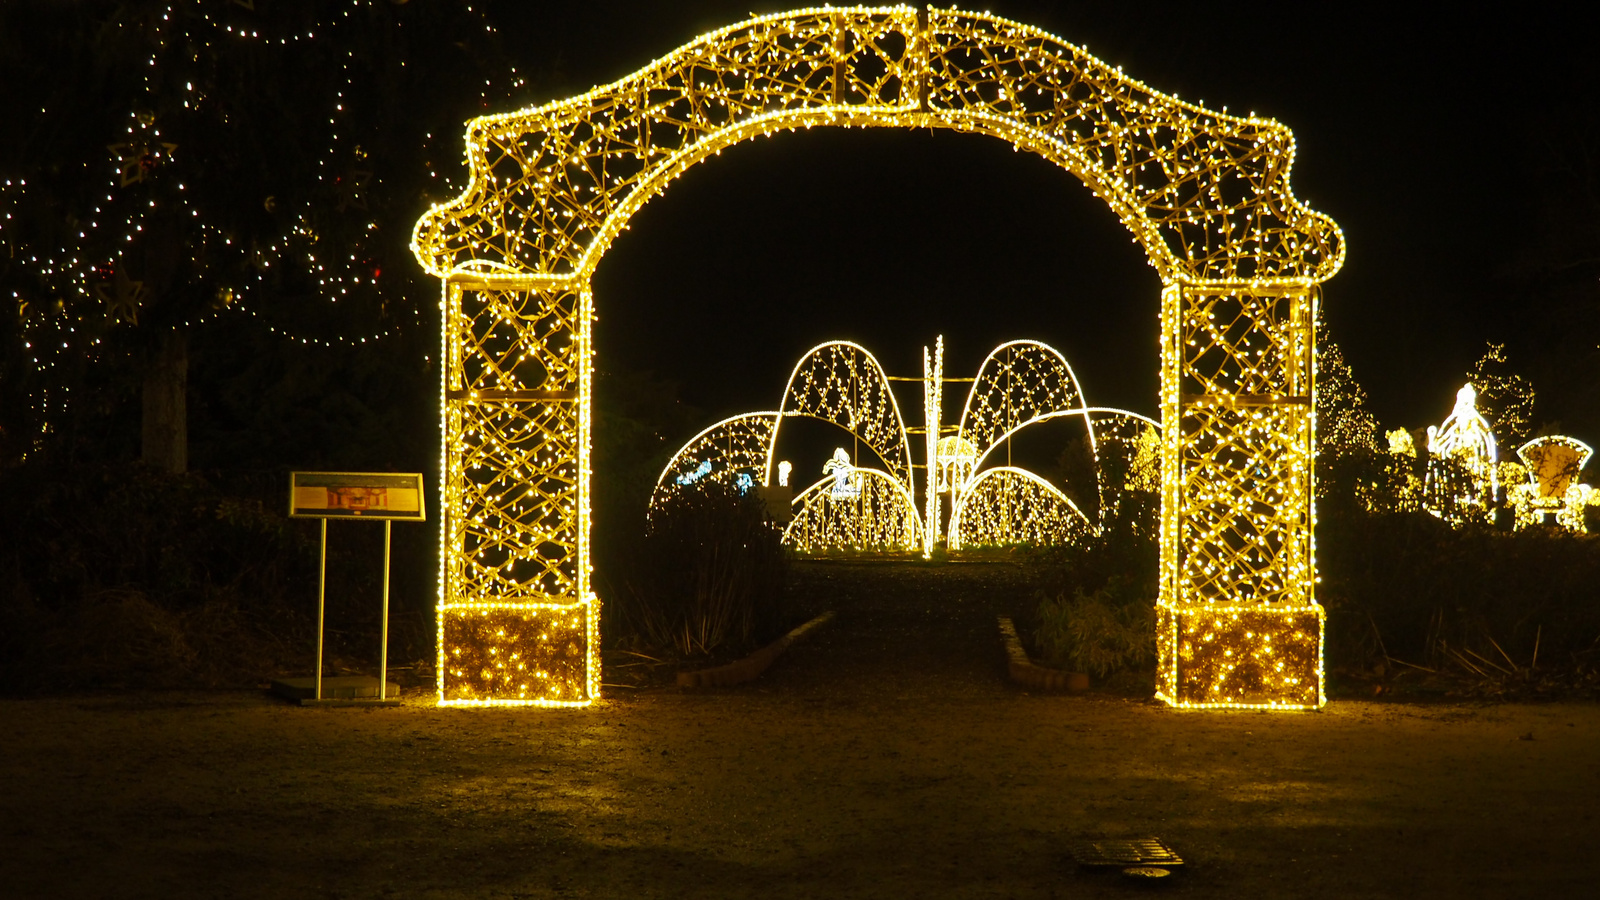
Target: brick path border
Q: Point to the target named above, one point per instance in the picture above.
(753, 665)
(1030, 675)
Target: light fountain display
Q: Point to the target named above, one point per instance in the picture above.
(861, 508)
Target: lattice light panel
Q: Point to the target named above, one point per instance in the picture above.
(1204, 193)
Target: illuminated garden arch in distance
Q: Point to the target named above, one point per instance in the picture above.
(1204, 193)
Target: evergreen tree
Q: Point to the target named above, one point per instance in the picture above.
(1344, 425)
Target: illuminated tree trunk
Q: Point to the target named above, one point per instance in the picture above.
(165, 442)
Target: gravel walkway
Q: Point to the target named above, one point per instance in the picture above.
(884, 756)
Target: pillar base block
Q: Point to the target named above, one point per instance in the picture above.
(518, 654)
(1240, 655)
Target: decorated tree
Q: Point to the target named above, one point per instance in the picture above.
(1505, 398)
(1344, 425)
(179, 170)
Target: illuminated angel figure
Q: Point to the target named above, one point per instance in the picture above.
(1461, 469)
(841, 469)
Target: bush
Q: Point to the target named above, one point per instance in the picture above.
(1096, 604)
(117, 575)
(1407, 586)
(709, 573)
(1100, 633)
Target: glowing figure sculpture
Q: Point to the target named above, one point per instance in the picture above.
(1552, 494)
(1462, 477)
(1204, 193)
(783, 473)
(844, 484)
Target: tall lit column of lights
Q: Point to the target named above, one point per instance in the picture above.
(1205, 193)
(70, 285)
(1238, 386)
(932, 389)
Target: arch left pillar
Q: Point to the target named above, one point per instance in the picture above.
(517, 621)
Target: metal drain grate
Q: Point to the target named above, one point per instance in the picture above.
(1149, 851)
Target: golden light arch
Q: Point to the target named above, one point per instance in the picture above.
(1204, 193)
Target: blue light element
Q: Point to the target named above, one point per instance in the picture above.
(702, 471)
(745, 482)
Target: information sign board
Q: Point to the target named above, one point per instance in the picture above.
(356, 495)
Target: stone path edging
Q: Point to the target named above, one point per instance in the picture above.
(748, 668)
(1028, 674)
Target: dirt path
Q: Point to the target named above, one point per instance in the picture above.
(883, 757)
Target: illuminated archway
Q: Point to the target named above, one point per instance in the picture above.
(1205, 194)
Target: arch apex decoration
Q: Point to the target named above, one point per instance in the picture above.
(1204, 193)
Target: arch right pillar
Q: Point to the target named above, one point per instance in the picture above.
(1238, 624)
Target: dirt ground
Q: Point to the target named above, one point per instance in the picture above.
(886, 756)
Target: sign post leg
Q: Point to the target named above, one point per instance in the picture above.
(383, 641)
(322, 593)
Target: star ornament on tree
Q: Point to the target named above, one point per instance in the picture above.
(122, 299)
(349, 187)
(135, 160)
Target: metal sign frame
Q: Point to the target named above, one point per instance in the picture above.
(342, 491)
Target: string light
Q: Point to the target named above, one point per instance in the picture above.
(1009, 505)
(1205, 194)
(932, 396)
(880, 516)
(91, 274)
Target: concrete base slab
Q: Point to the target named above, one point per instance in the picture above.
(339, 690)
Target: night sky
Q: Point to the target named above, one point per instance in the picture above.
(1416, 132)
